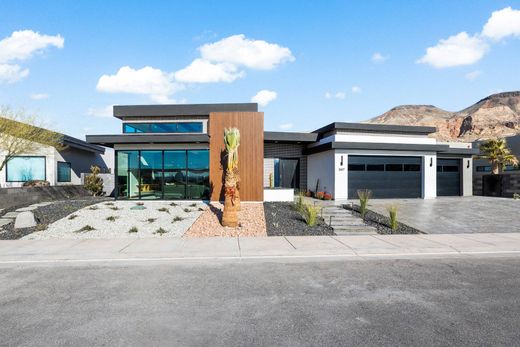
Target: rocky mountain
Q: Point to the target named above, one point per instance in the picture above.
(498, 115)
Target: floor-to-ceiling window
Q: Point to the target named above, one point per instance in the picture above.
(169, 174)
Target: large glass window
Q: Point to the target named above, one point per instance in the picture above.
(286, 173)
(177, 127)
(22, 169)
(64, 171)
(171, 174)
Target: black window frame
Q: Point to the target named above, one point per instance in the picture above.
(150, 127)
(58, 171)
(26, 156)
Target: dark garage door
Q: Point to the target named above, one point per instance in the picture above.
(448, 177)
(386, 177)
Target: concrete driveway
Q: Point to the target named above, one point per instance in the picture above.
(449, 215)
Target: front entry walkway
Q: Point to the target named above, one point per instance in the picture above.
(251, 248)
(449, 215)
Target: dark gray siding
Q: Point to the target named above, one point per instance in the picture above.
(289, 150)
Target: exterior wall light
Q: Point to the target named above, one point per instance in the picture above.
(467, 165)
(431, 162)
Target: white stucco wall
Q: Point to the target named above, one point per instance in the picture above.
(321, 166)
(341, 175)
(429, 176)
(467, 177)
(378, 138)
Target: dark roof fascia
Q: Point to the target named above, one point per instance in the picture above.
(461, 151)
(289, 137)
(82, 145)
(129, 111)
(110, 140)
(376, 146)
(376, 128)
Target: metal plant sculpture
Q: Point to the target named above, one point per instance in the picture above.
(232, 178)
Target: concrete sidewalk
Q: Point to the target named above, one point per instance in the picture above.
(355, 247)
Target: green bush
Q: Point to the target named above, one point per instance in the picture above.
(310, 214)
(364, 195)
(392, 211)
(94, 183)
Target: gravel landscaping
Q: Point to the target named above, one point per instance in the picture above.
(45, 215)
(123, 219)
(251, 222)
(283, 220)
(382, 223)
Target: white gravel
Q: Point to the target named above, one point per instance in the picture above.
(125, 219)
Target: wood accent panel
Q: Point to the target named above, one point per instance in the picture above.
(250, 153)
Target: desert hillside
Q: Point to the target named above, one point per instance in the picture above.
(498, 115)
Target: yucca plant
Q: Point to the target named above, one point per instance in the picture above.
(364, 195)
(232, 178)
(498, 154)
(392, 212)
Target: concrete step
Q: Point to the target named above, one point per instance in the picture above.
(356, 230)
(344, 233)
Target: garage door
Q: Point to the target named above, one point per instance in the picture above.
(448, 177)
(385, 176)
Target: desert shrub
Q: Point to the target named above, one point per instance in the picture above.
(163, 209)
(94, 207)
(187, 210)
(151, 220)
(300, 203)
(133, 230)
(392, 211)
(364, 195)
(177, 219)
(72, 216)
(516, 196)
(310, 214)
(85, 229)
(160, 231)
(36, 183)
(174, 204)
(193, 205)
(94, 183)
(327, 196)
(115, 208)
(320, 195)
(111, 218)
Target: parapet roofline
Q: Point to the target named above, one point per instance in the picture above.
(376, 128)
(130, 111)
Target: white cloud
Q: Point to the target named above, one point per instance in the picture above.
(239, 50)
(104, 112)
(39, 96)
(20, 46)
(460, 49)
(502, 23)
(264, 97)
(203, 71)
(378, 58)
(157, 84)
(286, 126)
(336, 95)
(11, 73)
(356, 89)
(473, 75)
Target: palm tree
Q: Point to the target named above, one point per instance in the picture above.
(499, 155)
(232, 178)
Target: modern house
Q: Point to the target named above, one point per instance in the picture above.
(58, 167)
(176, 152)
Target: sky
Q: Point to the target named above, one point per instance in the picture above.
(307, 63)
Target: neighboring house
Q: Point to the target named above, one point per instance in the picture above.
(58, 167)
(176, 152)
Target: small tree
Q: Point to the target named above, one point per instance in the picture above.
(21, 134)
(498, 154)
(94, 183)
(232, 178)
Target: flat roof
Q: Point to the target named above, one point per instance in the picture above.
(377, 146)
(110, 140)
(376, 128)
(129, 111)
(289, 137)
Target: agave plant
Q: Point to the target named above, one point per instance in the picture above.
(499, 155)
(232, 178)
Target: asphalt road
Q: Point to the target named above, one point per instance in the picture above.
(360, 303)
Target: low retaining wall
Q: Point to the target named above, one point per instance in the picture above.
(278, 194)
(509, 184)
(10, 197)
